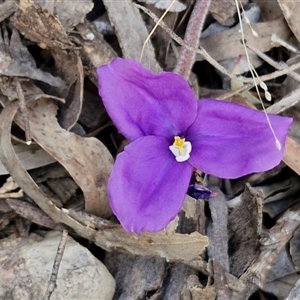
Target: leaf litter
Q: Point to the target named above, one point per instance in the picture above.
(231, 247)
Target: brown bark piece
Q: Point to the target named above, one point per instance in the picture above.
(32, 213)
(218, 248)
(217, 231)
(138, 275)
(174, 284)
(294, 249)
(244, 225)
(94, 49)
(40, 26)
(6, 9)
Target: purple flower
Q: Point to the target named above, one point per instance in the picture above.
(171, 133)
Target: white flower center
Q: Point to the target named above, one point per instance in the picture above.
(181, 149)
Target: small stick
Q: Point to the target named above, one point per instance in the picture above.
(272, 62)
(214, 63)
(192, 36)
(24, 110)
(57, 261)
(276, 39)
(182, 43)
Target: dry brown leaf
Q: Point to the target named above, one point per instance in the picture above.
(224, 11)
(244, 235)
(270, 9)
(31, 157)
(291, 11)
(94, 49)
(40, 26)
(69, 112)
(32, 213)
(86, 159)
(69, 15)
(6, 9)
(20, 63)
(227, 44)
(131, 32)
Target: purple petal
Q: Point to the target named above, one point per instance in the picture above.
(141, 102)
(230, 140)
(147, 186)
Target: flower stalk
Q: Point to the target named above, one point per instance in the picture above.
(192, 36)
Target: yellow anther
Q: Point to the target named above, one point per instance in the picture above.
(181, 149)
(179, 143)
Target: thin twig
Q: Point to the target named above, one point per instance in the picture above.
(182, 43)
(274, 74)
(192, 37)
(57, 261)
(213, 62)
(23, 109)
(276, 39)
(272, 62)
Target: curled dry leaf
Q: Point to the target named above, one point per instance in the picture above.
(70, 112)
(20, 63)
(86, 159)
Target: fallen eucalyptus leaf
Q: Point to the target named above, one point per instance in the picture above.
(86, 159)
(31, 157)
(20, 63)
